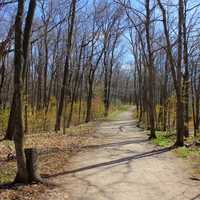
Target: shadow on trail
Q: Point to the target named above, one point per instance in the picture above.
(113, 162)
(196, 197)
(116, 144)
(9, 185)
(16, 186)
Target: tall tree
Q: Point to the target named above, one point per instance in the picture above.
(15, 125)
(151, 71)
(71, 23)
(176, 68)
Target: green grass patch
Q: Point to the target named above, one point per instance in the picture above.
(164, 139)
(185, 152)
(113, 115)
(123, 107)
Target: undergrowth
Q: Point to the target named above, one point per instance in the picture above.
(164, 139)
(189, 152)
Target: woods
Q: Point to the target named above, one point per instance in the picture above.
(67, 62)
(164, 63)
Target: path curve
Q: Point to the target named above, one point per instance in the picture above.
(124, 166)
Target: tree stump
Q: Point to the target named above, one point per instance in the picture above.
(32, 165)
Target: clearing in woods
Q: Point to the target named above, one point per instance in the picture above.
(124, 166)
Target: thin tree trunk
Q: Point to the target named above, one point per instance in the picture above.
(15, 125)
(186, 77)
(151, 72)
(176, 73)
(89, 98)
(66, 66)
(2, 72)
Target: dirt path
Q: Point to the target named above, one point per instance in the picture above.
(124, 166)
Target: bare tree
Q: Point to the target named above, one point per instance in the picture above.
(15, 125)
(72, 15)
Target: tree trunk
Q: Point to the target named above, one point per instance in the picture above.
(2, 72)
(67, 63)
(176, 69)
(75, 86)
(186, 76)
(32, 165)
(15, 124)
(151, 72)
(179, 121)
(89, 100)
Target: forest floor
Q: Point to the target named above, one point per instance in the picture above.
(54, 149)
(110, 160)
(124, 165)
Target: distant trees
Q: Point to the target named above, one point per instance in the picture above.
(112, 30)
(176, 68)
(67, 68)
(70, 66)
(71, 22)
(95, 54)
(146, 59)
(161, 37)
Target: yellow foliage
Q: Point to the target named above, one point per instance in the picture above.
(4, 114)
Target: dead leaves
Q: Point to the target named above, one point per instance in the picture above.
(54, 152)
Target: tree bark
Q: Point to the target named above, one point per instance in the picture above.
(185, 77)
(66, 66)
(151, 72)
(32, 165)
(15, 124)
(176, 70)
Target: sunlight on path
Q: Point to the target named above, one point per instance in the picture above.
(124, 166)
